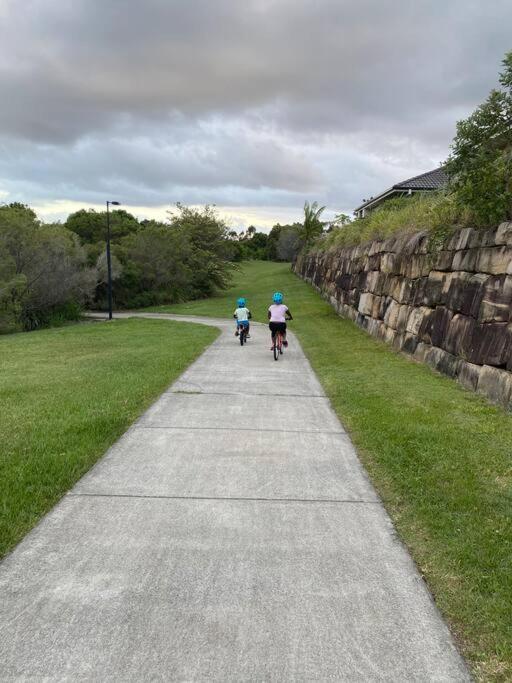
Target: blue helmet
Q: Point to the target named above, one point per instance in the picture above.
(240, 302)
(277, 298)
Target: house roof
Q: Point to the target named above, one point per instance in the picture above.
(431, 180)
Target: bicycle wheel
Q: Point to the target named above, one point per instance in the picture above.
(276, 346)
(242, 336)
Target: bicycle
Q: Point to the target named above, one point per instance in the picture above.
(277, 346)
(242, 333)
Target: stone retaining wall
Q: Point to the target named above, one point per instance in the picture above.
(448, 305)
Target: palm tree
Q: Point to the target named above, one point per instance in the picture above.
(312, 226)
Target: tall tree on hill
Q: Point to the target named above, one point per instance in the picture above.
(480, 165)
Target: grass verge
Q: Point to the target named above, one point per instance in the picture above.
(439, 456)
(67, 394)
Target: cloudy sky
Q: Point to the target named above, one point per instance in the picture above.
(252, 105)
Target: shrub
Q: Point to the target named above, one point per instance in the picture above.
(438, 213)
(43, 271)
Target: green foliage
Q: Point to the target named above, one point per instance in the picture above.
(438, 213)
(43, 272)
(480, 165)
(188, 257)
(91, 225)
(284, 242)
(248, 245)
(312, 226)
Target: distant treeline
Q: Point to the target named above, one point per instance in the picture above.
(49, 272)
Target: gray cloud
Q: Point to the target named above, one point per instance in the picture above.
(257, 102)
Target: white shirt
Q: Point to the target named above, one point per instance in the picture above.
(242, 314)
(278, 313)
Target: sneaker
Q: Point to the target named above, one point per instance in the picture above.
(285, 344)
(247, 336)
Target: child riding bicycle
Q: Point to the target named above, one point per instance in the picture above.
(242, 316)
(278, 314)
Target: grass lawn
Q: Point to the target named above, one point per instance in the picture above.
(440, 457)
(67, 394)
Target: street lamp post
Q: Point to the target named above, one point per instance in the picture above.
(109, 260)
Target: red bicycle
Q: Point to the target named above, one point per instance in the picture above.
(277, 346)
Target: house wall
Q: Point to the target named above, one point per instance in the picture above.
(447, 305)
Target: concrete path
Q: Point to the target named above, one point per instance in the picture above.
(230, 535)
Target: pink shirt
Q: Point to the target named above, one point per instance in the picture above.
(278, 313)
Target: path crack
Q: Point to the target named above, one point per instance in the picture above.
(225, 498)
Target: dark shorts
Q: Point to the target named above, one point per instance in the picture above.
(277, 327)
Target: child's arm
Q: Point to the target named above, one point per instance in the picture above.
(249, 314)
(288, 315)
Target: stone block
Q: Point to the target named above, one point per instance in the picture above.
(442, 260)
(503, 234)
(384, 303)
(410, 343)
(479, 238)
(465, 293)
(377, 306)
(416, 318)
(343, 281)
(442, 361)
(494, 260)
(374, 326)
(372, 281)
(365, 303)
(418, 291)
(396, 287)
(433, 290)
(466, 260)
(462, 239)
(491, 344)
(459, 335)
(421, 351)
(439, 324)
(417, 243)
(391, 315)
(398, 341)
(374, 262)
(362, 321)
(497, 299)
(416, 265)
(403, 316)
(469, 374)
(389, 263)
(495, 384)
(406, 292)
(389, 334)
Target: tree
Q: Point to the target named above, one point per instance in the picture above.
(288, 244)
(480, 164)
(283, 242)
(154, 268)
(210, 249)
(312, 226)
(42, 269)
(339, 221)
(91, 225)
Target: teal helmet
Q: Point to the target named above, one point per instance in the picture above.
(240, 302)
(277, 298)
